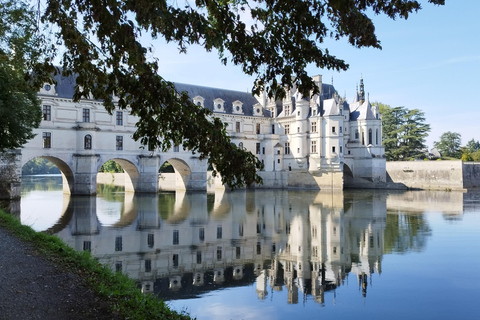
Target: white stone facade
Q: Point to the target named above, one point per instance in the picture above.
(321, 142)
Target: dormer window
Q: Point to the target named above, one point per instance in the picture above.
(237, 107)
(219, 105)
(258, 110)
(199, 101)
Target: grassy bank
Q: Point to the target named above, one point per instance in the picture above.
(117, 289)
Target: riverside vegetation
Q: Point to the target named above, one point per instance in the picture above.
(116, 289)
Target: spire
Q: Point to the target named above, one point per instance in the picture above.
(362, 91)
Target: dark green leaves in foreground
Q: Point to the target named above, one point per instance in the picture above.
(272, 40)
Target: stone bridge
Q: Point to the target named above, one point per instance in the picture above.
(79, 137)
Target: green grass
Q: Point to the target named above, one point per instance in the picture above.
(116, 288)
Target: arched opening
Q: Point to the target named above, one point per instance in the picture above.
(174, 174)
(370, 136)
(46, 187)
(121, 172)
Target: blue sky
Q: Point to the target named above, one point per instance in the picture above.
(429, 62)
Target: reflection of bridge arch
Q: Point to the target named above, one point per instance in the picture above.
(61, 163)
(131, 172)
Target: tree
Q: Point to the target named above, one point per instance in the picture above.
(103, 48)
(404, 133)
(20, 48)
(472, 146)
(449, 145)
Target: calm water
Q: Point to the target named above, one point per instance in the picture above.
(280, 254)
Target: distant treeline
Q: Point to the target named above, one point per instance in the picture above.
(40, 166)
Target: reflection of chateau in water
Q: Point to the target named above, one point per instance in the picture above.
(302, 242)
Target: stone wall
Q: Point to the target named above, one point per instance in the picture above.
(471, 174)
(10, 175)
(433, 175)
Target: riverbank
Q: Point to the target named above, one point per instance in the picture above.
(43, 278)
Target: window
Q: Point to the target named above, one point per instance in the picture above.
(86, 115)
(176, 237)
(118, 266)
(333, 129)
(87, 142)
(333, 149)
(176, 148)
(47, 140)
(119, 144)
(148, 265)
(118, 243)
(87, 246)
(240, 145)
(240, 230)
(341, 149)
(298, 113)
(363, 137)
(258, 128)
(238, 252)
(287, 111)
(313, 146)
(258, 148)
(199, 257)
(370, 137)
(47, 113)
(314, 127)
(119, 117)
(314, 112)
(175, 260)
(356, 134)
(237, 126)
(287, 129)
(219, 253)
(298, 129)
(259, 248)
(201, 234)
(287, 147)
(263, 150)
(219, 232)
(150, 240)
(376, 136)
(340, 129)
(273, 129)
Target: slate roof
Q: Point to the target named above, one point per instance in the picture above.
(229, 96)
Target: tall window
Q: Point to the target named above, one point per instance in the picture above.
(119, 143)
(287, 147)
(333, 129)
(314, 146)
(237, 126)
(370, 136)
(273, 129)
(87, 142)
(87, 246)
(287, 110)
(86, 115)
(118, 243)
(175, 260)
(47, 140)
(287, 129)
(175, 237)
(376, 136)
(219, 253)
(176, 148)
(258, 148)
(47, 113)
(119, 118)
(118, 266)
(258, 128)
(314, 127)
(219, 232)
(201, 234)
(148, 265)
(356, 134)
(150, 240)
(199, 257)
(240, 230)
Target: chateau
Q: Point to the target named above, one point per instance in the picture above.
(318, 142)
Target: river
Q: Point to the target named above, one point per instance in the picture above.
(277, 254)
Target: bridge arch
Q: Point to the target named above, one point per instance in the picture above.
(68, 178)
(131, 172)
(180, 179)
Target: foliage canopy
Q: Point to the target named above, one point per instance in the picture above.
(272, 40)
(449, 145)
(404, 133)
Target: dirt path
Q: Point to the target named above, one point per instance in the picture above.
(34, 288)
